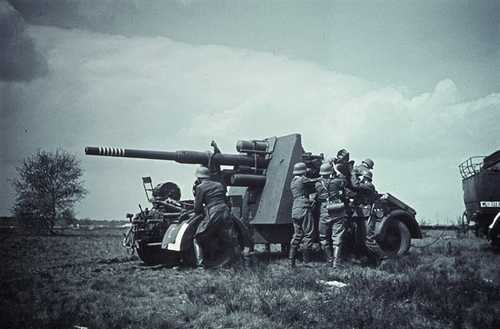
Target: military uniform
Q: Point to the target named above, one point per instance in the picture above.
(210, 200)
(302, 220)
(342, 163)
(332, 223)
(211, 196)
(366, 194)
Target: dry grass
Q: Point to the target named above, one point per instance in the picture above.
(89, 280)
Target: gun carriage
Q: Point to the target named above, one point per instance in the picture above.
(259, 197)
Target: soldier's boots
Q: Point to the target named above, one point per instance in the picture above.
(293, 256)
(198, 252)
(337, 258)
(329, 255)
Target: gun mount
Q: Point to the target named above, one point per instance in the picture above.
(259, 195)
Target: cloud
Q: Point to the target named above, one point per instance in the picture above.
(19, 59)
(407, 43)
(156, 93)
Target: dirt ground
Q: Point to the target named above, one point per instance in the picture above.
(87, 279)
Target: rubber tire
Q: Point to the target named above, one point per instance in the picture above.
(154, 255)
(188, 253)
(495, 243)
(465, 222)
(397, 238)
(494, 236)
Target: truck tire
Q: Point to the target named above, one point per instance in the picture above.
(495, 243)
(154, 255)
(397, 238)
(494, 232)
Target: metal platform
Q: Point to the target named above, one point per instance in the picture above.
(471, 166)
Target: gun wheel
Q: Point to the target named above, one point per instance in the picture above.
(155, 255)
(396, 239)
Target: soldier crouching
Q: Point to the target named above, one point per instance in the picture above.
(330, 193)
(303, 224)
(210, 200)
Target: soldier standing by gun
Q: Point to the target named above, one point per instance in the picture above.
(342, 163)
(365, 166)
(210, 201)
(366, 194)
(303, 225)
(333, 213)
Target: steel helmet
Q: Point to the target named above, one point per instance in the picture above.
(369, 163)
(299, 168)
(342, 156)
(326, 169)
(368, 175)
(202, 172)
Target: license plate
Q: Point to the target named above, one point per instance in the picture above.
(490, 204)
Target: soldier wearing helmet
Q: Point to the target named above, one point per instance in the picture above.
(366, 194)
(303, 224)
(342, 163)
(368, 163)
(330, 193)
(364, 189)
(365, 166)
(210, 201)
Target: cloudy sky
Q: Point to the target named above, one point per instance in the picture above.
(413, 85)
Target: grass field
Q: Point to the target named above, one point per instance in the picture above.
(87, 279)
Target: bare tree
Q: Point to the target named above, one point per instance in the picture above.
(47, 187)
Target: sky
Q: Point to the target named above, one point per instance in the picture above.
(412, 85)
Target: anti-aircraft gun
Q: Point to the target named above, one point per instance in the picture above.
(258, 179)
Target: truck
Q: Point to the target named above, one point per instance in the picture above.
(481, 190)
(258, 178)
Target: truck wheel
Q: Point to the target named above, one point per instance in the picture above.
(494, 231)
(154, 255)
(495, 243)
(465, 222)
(396, 239)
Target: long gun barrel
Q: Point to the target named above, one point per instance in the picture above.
(192, 157)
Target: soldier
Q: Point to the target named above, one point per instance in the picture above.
(210, 200)
(366, 165)
(366, 194)
(303, 225)
(342, 163)
(330, 193)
